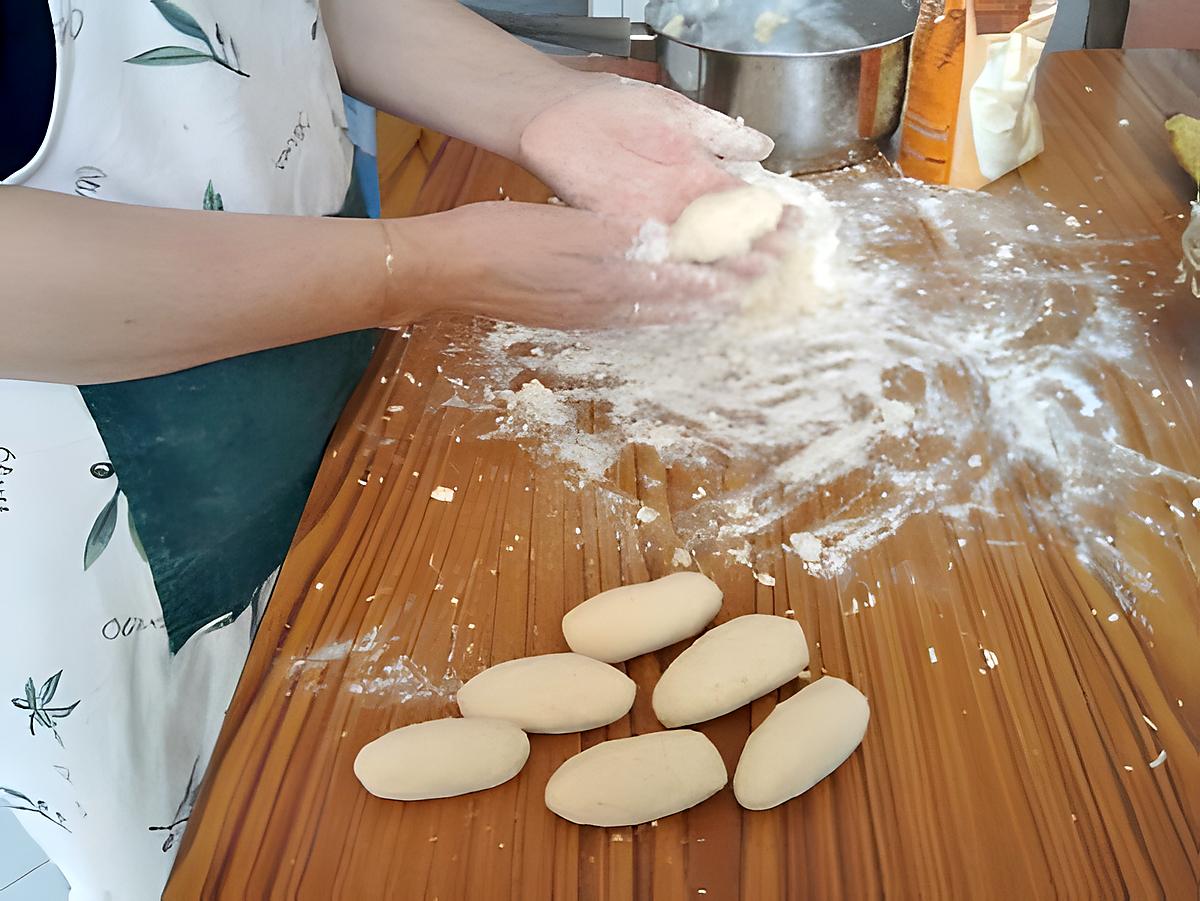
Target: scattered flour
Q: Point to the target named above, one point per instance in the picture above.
(534, 402)
(369, 668)
(403, 680)
(322, 656)
(653, 244)
(855, 388)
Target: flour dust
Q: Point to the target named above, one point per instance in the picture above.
(931, 345)
(371, 669)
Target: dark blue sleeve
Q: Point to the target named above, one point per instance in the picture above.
(27, 73)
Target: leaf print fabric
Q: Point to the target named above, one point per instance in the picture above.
(12, 799)
(37, 702)
(169, 56)
(145, 594)
(212, 200)
(183, 22)
(102, 532)
(106, 522)
(180, 20)
(183, 812)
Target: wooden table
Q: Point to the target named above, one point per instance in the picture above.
(1026, 781)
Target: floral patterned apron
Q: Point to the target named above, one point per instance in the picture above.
(141, 523)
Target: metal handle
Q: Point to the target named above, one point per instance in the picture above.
(608, 36)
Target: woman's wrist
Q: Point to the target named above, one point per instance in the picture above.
(402, 292)
(558, 88)
(421, 263)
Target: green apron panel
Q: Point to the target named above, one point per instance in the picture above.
(217, 463)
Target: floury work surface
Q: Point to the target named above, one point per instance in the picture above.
(931, 344)
(1021, 608)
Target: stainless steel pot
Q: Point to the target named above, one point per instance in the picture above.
(824, 110)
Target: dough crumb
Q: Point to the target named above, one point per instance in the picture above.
(647, 514)
(674, 28)
(442, 493)
(806, 546)
(767, 24)
(534, 402)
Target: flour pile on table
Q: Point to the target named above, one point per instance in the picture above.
(891, 384)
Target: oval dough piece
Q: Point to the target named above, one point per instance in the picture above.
(725, 224)
(728, 667)
(441, 759)
(804, 739)
(636, 619)
(552, 694)
(635, 780)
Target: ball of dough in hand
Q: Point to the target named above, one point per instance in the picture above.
(725, 224)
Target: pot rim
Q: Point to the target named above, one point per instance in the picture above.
(766, 54)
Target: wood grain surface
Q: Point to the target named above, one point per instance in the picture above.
(1025, 780)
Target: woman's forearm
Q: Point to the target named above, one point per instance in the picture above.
(98, 292)
(437, 63)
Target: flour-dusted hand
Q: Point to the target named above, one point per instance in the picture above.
(629, 148)
(558, 267)
(602, 142)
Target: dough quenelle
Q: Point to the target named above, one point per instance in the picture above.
(728, 667)
(441, 759)
(803, 740)
(624, 622)
(635, 780)
(552, 693)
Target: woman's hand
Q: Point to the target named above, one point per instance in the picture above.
(553, 266)
(635, 149)
(147, 291)
(602, 143)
